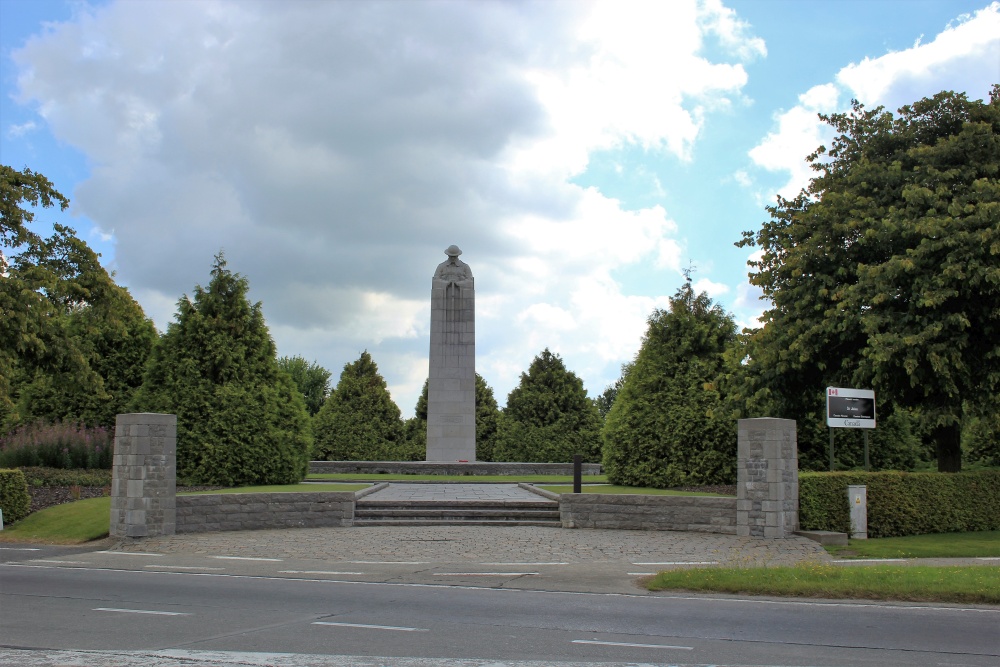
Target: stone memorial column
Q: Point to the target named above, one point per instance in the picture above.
(144, 476)
(767, 478)
(451, 389)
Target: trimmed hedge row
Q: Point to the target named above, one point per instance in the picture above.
(37, 476)
(901, 503)
(14, 498)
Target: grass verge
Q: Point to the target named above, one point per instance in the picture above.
(983, 544)
(611, 488)
(71, 523)
(969, 585)
(396, 477)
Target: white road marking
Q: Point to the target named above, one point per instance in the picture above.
(518, 591)
(683, 562)
(18, 549)
(872, 560)
(315, 572)
(61, 562)
(269, 560)
(523, 564)
(388, 562)
(182, 567)
(371, 627)
(641, 574)
(483, 574)
(629, 645)
(986, 558)
(128, 553)
(141, 611)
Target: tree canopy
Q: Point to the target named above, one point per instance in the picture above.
(360, 421)
(548, 417)
(312, 380)
(668, 425)
(885, 271)
(72, 343)
(240, 418)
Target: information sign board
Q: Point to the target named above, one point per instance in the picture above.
(850, 408)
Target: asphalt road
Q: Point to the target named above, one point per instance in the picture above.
(163, 617)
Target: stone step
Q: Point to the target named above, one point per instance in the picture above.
(460, 504)
(454, 522)
(456, 513)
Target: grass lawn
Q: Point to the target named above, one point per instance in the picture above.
(983, 544)
(611, 488)
(533, 479)
(974, 584)
(70, 523)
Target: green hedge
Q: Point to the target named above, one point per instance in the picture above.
(37, 476)
(901, 503)
(14, 499)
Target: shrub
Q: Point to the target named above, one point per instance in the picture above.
(360, 421)
(901, 503)
(14, 499)
(548, 417)
(240, 418)
(667, 425)
(46, 477)
(62, 444)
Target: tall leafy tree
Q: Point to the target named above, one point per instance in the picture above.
(548, 417)
(312, 380)
(360, 421)
(72, 343)
(668, 425)
(240, 418)
(885, 271)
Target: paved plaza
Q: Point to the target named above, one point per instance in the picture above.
(512, 556)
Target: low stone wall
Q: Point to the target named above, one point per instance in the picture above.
(449, 468)
(255, 511)
(704, 514)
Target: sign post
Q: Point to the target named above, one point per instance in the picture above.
(850, 408)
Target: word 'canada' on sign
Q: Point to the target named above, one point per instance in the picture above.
(850, 408)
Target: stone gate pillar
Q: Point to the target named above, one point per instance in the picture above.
(767, 478)
(144, 476)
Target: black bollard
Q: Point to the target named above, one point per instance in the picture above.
(577, 473)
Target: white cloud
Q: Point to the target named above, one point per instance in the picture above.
(713, 289)
(799, 133)
(22, 129)
(332, 150)
(963, 57)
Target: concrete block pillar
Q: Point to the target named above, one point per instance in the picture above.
(767, 478)
(144, 476)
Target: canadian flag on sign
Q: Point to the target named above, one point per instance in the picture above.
(833, 391)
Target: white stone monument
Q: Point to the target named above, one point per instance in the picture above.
(451, 389)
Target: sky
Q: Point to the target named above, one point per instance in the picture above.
(583, 155)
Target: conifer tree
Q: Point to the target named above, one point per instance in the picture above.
(360, 421)
(240, 418)
(667, 426)
(548, 417)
